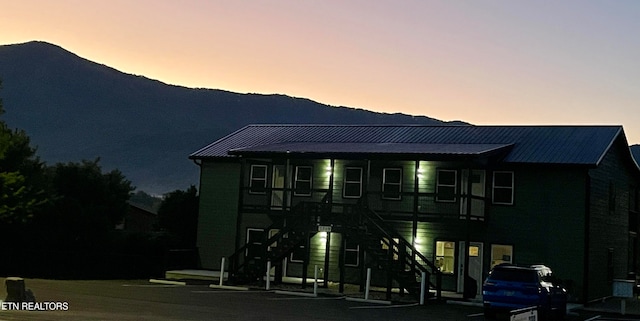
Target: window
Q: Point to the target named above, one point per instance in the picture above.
(258, 180)
(385, 242)
(445, 254)
(302, 184)
(446, 185)
(352, 182)
(501, 254)
(392, 183)
(298, 255)
(612, 197)
(351, 253)
(254, 242)
(503, 188)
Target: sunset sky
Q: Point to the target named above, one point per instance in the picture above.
(480, 61)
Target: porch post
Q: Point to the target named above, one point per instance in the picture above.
(343, 245)
(465, 276)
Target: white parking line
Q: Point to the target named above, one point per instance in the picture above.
(224, 291)
(153, 285)
(386, 306)
(306, 298)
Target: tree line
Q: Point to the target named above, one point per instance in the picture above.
(60, 220)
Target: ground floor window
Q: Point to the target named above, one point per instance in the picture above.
(501, 254)
(298, 255)
(445, 256)
(254, 242)
(351, 253)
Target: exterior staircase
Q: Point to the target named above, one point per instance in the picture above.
(384, 248)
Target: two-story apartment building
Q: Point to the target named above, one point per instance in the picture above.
(450, 201)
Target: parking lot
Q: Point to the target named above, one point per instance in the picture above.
(142, 300)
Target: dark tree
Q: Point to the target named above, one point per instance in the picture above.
(178, 215)
(88, 202)
(21, 176)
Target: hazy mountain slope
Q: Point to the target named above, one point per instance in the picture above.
(76, 109)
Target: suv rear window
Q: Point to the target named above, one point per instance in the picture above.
(514, 275)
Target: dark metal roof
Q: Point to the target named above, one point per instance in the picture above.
(529, 144)
(371, 148)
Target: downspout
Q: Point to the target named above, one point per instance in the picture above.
(465, 276)
(239, 206)
(587, 241)
(416, 187)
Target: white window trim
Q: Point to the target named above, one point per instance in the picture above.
(359, 182)
(384, 183)
(495, 187)
(310, 181)
(252, 178)
(455, 185)
(247, 237)
(291, 255)
(357, 251)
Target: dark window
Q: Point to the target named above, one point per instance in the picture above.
(446, 185)
(351, 253)
(258, 179)
(254, 242)
(298, 255)
(352, 182)
(303, 181)
(612, 197)
(392, 183)
(503, 188)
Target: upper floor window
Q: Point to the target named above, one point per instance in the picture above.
(392, 183)
(303, 181)
(502, 188)
(258, 179)
(446, 185)
(352, 182)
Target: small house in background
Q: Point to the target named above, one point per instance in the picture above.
(447, 201)
(139, 218)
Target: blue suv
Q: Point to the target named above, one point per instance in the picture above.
(510, 287)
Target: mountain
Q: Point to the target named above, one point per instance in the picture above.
(75, 109)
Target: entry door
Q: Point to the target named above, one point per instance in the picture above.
(475, 265)
(477, 178)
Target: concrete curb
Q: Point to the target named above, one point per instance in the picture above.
(167, 282)
(228, 287)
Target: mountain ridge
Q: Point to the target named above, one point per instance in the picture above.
(74, 109)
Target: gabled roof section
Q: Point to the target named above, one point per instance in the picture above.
(585, 145)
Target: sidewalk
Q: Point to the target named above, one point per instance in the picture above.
(615, 306)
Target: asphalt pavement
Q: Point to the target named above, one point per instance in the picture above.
(144, 300)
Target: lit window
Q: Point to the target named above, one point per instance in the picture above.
(503, 188)
(446, 185)
(501, 254)
(303, 183)
(258, 180)
(352, 182)
(445, 256)
(392, 183)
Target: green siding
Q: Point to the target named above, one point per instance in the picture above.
(546, 224)
(218, 212)
(609, 227)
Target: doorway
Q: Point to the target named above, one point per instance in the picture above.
(475, 251)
